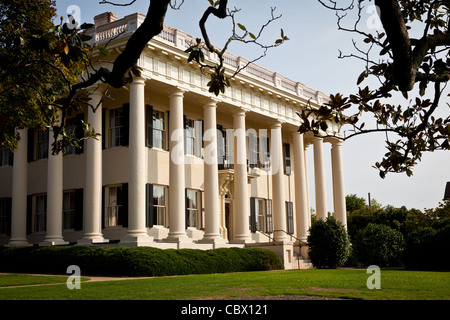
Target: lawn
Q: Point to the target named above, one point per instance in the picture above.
(341, 283)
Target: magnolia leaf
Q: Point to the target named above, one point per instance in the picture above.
(242, 27)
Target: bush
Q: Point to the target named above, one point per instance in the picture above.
(424, 248)
(141, 261)
(379, 245)
(328, 243)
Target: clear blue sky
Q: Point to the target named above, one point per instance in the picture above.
(310, 57)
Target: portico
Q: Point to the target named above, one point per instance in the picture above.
(175, 167)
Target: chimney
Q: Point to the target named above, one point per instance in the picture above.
(105, 18)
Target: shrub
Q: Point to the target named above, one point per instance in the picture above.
(379, 245)
(328, 243)
(424, 248)
(141, 261)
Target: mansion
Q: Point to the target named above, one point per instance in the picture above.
(175, 166)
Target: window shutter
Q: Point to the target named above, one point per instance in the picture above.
(287, 158)
(252, 141)
(79, 133)
(78, 210)
(30, 154)
(220, 146)
(103, 129)
(198, 143)
(269, 216)
(149, 126)
(290, 217)
(184, 132)
(8, 216)
(29, 214)
(202, 211)
(104, 215)
(150, 213)
(186, 202)
(126, 125)
(124, 213)
(252, 214)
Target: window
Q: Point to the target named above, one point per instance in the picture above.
(264, 155)
(69, 209)
(116, 208)
(5, 215)
(116, 134)
(193, 209)
(157, 205)
(6, 158)
(71, 130)
(159, 130)
(42, 144)
(261, 218)
(40, 213)
(290, 217)
(287, 158)
(74, 129)
(193, 137)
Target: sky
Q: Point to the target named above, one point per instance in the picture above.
(310, 57)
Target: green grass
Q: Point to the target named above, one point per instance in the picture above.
(342, 283)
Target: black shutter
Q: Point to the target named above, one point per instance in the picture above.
(29, 214)
(269, 216)
(220, 146)
(103, 207)
(149, 126)
(253, 214)
(150, 213)
(124, 208)
(103, 128)
(79, 133)
(290, 217)
(8, 216)
(252, 145)
(202, 211)
(287, 158)
(78, 210)
(126, 125)
(184, 132)
(30, 145)
(186, 202)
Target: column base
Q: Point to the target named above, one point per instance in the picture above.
(242, 241)
(53, 242)
(136, 241)
(18, 243)
(90, 240)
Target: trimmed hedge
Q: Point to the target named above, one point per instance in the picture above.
(140, 261)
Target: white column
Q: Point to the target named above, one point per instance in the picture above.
(278, 194)
(301, 192)
(137, 232)
(177, 204)
(340, 211)
(92, 213)
(54, 194)
(241, 202)
(320, 182)
(19, 194)
(211, 174)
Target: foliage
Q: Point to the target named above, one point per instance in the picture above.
(39, 63)
(328, 243)
(380, 245)
(426, 247)
(398, 62)
(141, 261)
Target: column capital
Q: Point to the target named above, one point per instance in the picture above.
(276, 124)
(138, 80)
(335, 141)
(240, 112)
(178, 91)
(211, 103)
